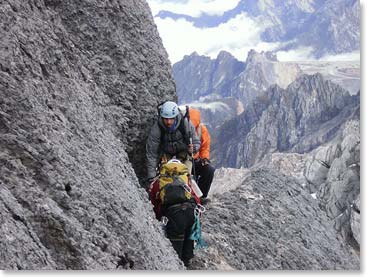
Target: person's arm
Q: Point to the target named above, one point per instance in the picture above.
(195, 139)
(155, 200)
(205, 143)
(152, 150)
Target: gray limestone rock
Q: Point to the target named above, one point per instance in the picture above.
(333, 170)
(79, 81)
(269, 222)
(355, 221)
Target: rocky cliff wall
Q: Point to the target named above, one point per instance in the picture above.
(79, 81)
(332, 172)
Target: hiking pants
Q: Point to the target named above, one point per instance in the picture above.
(204, 176)
(180, 220)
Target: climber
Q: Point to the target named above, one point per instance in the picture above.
(171, 136)
(204, 171)
(175, 206)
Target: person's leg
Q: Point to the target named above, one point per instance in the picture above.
(206, 177)
(188, 244)
(175, 229)
(187, 249)
(178, 229)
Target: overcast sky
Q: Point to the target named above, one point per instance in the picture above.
(237, 36)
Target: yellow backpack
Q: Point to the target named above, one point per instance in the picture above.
(173, 183)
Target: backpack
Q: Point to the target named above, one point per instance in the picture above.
(173, 183)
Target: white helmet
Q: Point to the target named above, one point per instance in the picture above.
(169, 110)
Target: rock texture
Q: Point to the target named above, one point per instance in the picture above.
(262, 70)
(298, 119)
(222, 88)
(333, 171)
(269, 222)
(79, 81)
(331, 175)
(200, 78)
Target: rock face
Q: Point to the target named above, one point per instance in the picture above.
(333, 171)
(342, 18)
(200, 78)
(262, 70)
(222, 88)
(269, 222)
(330, 174)
(298, 119)
(79, 81)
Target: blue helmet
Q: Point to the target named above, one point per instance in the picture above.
(169, 110)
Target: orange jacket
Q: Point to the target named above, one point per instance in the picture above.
(204, 152)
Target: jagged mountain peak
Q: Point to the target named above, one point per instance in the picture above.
(225, 76)
(194, 58)
(225, 55)
(306, 84)
(254, 56)
(283, 119)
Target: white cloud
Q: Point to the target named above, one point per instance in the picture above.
(193, 8)
(299, 54)
(352, 56)
(237, 36)
(305, 54)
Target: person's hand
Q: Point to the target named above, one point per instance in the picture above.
(190, 148)
(149, 183)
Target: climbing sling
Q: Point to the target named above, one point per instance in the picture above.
(196, 229)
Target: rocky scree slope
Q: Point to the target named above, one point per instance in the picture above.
(330, 174)
(79, 81)
(268, 222)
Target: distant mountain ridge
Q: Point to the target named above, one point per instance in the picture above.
(222, 88)
(199, 77)
(329, 27)
(300, 118)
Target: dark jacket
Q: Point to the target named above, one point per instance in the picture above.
(163, 141)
